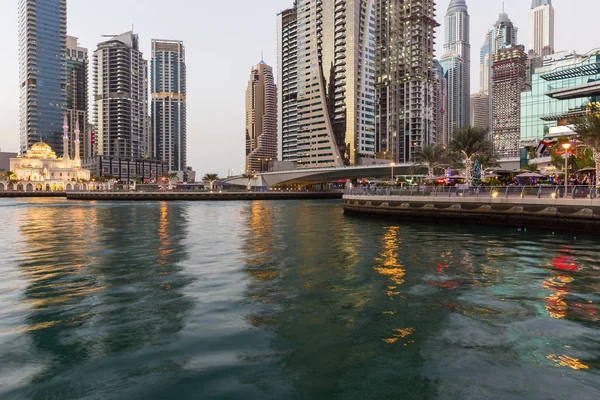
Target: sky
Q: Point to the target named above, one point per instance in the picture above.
(224, 39)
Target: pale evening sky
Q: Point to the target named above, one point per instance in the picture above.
(224, 39)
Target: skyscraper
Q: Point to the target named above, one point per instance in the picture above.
(287, 85)
(42, 72)
(541, 37)
(406, 117)
(168, 88)
(509, 78)
(479, 110)
(121, 98)
(502, 35)
(77, 96)
(457, 65)
(438, 100)
(261, 119)
(336, 82)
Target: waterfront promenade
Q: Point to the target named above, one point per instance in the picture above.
(534, 207)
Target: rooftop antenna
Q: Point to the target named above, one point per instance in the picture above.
(502, 7)
(262, 58)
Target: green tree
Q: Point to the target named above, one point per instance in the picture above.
(433, 156)
(11, 177)
(212, 178)
(468, 144)
(588, 129)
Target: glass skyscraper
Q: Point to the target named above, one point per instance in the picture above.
(42, 72)
(168, 87)
(457, 68)
(77, 97)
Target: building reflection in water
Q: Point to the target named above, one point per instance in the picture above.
(95, 290)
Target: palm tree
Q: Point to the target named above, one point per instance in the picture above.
(469, 143)
(433, 156)
(249, 178)
(588, 129)
(11, 177)
(212, 178)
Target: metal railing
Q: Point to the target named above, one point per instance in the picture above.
(540, 192)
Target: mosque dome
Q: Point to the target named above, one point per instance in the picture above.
(40, 150)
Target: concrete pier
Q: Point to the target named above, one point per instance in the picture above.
(547, 213)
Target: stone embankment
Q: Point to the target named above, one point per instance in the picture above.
(561, 214)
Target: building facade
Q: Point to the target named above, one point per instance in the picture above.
(405, 80)
(121, 98)
(502, 35)
(168, 88)
(77, 96)
(42, 72)
(457, 68)
(479, 111)
(336, 82)
(287, 83)
(261, 119)
(509, 78)
(541, 21)
(539, 112)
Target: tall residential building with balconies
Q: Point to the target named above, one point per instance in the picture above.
(406, 118)
(502, 35)
(168, 88)
(287, 83)
(509, 79)
(457, 68)
(261, 119)
(121, 98)
(541, 21)
(77, 97)
(42, 72)
(336, 82)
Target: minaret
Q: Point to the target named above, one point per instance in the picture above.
(66, 143)
(77, 160)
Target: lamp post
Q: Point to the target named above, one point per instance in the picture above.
(392, 165)
(566, 146)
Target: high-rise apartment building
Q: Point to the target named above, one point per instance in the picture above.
(406, 118)
(438, 100)
(336, 82)
(168, 88)
(261, 119)
(502, 35)
(541, 37)
(509, 78)
(479, 110)
(42, 72)
(457, 68)
(287, 84)
(121, 98)
(77, 97)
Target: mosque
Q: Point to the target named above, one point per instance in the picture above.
(40, 169)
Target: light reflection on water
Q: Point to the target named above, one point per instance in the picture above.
(255, 300)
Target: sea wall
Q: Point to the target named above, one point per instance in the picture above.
(554, 214)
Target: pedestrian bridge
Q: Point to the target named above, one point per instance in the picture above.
(318, 175)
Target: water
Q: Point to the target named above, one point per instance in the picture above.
(288, 300)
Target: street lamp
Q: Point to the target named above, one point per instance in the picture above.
(392, 165)
(566, 146)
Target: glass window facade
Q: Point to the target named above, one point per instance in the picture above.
(43, 71)
(540, 112)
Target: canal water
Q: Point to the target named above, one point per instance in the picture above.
(288, 300)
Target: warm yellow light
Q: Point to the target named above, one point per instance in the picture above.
(393, 164)
(566, 146)
(495, 194)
